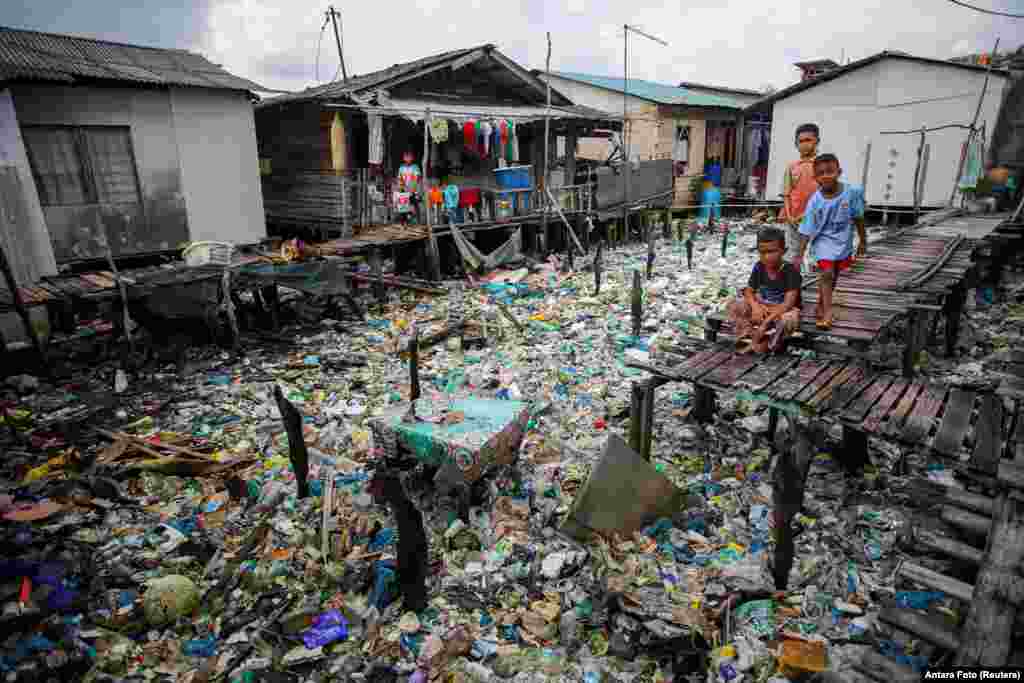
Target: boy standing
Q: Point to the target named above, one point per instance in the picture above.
(799, 185)
(771, 299)
(828, 223)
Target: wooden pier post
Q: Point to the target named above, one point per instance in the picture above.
(377, 269)
(637, 304)
(953, 309)
(689, 253)
(414, 365)
(598, 264)
(297, 451)
(796, 450)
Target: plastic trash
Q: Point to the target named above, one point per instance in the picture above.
(329, 627)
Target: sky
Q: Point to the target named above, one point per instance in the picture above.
(734, 43)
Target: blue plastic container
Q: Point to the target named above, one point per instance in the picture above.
(513, 178)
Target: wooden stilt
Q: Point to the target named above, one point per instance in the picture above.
(122, 290)
(788, 483)
(229, 307)
(378, 284)
(273, 304)
(414, 365)
(953, 310)
(650, 393)
(704, 404)
(853, 454)
(297, 451)
(916, 324)
(19, 306)
(637, 301)
(636, 418)
(689, 253)
(598, 264)
(987, 632)
(650, 252)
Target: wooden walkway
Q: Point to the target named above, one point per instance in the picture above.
(911, 271)
(943, 419)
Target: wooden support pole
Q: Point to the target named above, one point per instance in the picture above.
(19, 306)
(273, 303)
(853, 454)
(229, 306)
(917, 328)
(123, 291)
(954, 307)
(725, 241)
(936, 581)
(378, 274)
(636, 418)
(712, 326)
(923, 625)
(650, 393)
(949, 547)
(968, 521)
(884, 669)
(297, 451)
(689, 253)
(987, 632)
(703, 404)
(666, 231)
(637, 301)
(789, 481)
(433, 255)
(598, 264)
(414, 365)
(650, 251)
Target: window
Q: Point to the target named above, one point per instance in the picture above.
(82, 165)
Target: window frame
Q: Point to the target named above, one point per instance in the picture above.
(90, 185)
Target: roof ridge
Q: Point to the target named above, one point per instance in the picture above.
(99, 40)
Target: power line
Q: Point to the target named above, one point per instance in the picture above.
(987, 11)
(318, 41)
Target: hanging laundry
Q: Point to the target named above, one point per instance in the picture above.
(469, 135)
(496, 139)
(451, 197)
(513, 140)
(376, 151)
(504, 133)
(485, 132)
(439, 130)
(469, 196)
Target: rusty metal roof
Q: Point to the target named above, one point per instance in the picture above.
(30, 55)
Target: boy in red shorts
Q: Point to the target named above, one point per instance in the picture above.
(828, 225)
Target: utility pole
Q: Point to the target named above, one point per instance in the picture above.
(626, 169)
(335, 20)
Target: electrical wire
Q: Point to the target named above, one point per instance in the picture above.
(319, 40)
(987, 11)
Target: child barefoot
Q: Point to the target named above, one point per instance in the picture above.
(799, 185)
(770, 306)
(831, 214)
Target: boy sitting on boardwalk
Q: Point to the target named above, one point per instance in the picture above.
(828, 223)
(770, 306)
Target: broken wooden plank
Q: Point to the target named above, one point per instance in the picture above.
(850, 390)
(885, 670)
(818, 382)
(766, 372)
(825, 393)
(958, 550)
(955, 421)
(919, 422)
(858, 409)
(934, 580)
(788, 386)
(902, 409)
(696, 372)
(884, 405)
(966, 520)
(929, 627)
(726, 374)
(988, 435)
(988, 629)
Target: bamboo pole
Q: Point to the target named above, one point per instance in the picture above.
(435, 255)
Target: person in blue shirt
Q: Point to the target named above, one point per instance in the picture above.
(827, 226)
(768, 309)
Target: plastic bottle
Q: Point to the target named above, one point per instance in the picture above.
(203, 647)
(567, 628)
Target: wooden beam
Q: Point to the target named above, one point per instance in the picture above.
(940, 582)
(926, 626)
(637, 304)
(987, 632)
(968, 521)
(948, 546)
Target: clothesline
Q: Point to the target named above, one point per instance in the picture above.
(457, 114)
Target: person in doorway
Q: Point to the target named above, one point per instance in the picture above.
(828, 224)
(409, 177)
(769, 309)
(798, 184)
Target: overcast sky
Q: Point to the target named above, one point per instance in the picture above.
(738, 43)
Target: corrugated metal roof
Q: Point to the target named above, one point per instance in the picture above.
(31, 55)
(659, 93)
